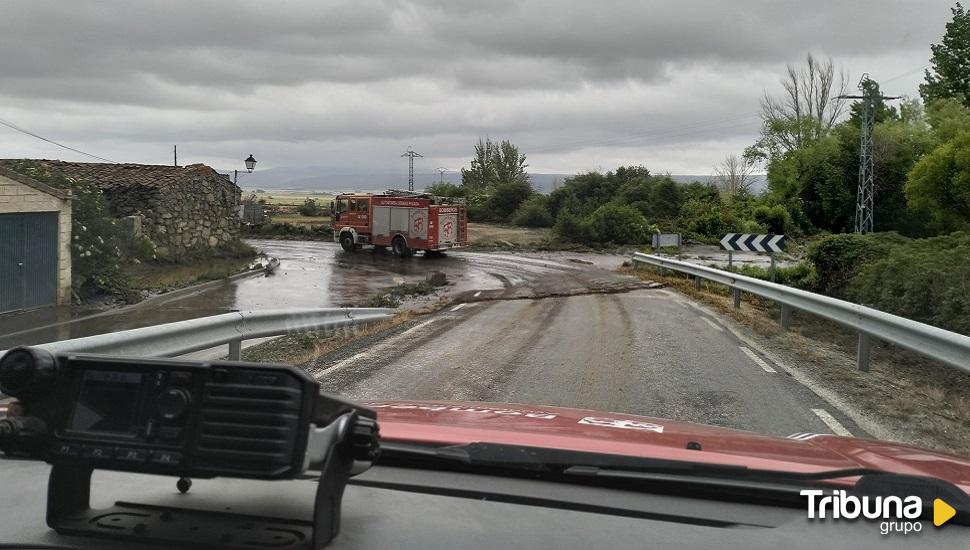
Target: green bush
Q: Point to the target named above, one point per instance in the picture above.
(533, 213)
(569, 226)
(445, 189)
(801, 275)
(310, 208)
(751, 226)
(775, 218)
(927, 280)
(837, 258)
(505, 199)
(614, 223)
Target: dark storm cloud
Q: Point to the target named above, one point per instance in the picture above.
(550, 73)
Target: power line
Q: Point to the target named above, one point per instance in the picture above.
(651, 135)
(907, 73)
(13, 126)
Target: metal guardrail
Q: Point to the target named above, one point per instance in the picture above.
(179, 338)
(942, 345)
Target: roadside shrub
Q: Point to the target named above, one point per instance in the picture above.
(533, 213)
(837, 258)
(505, 199)
(801, 275)
(751, 226)
(775, 218)
(569, 226)
(614, 223)
(927, 280)
(310, 208)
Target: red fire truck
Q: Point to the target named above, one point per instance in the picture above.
(406, 221)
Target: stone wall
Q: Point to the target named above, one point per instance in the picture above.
(185, 218)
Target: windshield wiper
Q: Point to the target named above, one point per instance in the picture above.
(631, 472)
(583, 463)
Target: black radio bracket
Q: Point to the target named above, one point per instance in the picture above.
(69, 511)
(310, 430)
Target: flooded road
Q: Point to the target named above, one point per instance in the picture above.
(317, 274)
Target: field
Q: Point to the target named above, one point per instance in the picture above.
(284, 197)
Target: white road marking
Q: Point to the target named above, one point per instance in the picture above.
(477, 294)
(832, 423)
(713, 324)
(459, 306)
(759, 361)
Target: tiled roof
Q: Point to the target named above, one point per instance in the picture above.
(30, 182)
(120, 176)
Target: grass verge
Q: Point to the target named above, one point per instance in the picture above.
(917, 400)
(304, 347)
(164, 276)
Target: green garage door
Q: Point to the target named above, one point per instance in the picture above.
(28, 260)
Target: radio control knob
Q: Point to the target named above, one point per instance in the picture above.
(25, 372)
(172, 403)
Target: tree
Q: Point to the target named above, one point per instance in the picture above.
(444, 189)
(482, 172)
(939, 184)
(897, 145)
(950, 77)
(948, 117)
(804, 113)
(734, 175)
(819, 181)
(665, 199)
(494, 163)
(509, 164)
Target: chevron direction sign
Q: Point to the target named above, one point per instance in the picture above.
(747, 242)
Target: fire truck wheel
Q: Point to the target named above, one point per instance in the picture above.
(347, 242)
(400, 248)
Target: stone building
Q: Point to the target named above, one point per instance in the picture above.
(185, 210)
(35, 243)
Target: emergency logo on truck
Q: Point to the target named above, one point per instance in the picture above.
(418, 224)
(448, 229)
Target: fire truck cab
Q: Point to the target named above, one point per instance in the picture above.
(403, 220)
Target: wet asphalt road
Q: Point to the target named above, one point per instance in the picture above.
(541, 329)
(311, 274)
(644, 352)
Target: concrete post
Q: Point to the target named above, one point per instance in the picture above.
(697, 283)
(737, 297)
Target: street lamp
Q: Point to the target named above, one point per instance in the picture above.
(250, 165)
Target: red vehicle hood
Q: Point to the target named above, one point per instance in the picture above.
(455, 423)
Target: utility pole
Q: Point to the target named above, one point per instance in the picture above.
(866, 191)
(441, 174)
(410, 154)
(175, 152)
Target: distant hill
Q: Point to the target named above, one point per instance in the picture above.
(327, 180)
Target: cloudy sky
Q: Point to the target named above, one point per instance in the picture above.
(348, 86)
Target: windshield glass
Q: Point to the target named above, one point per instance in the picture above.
(643, 229)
